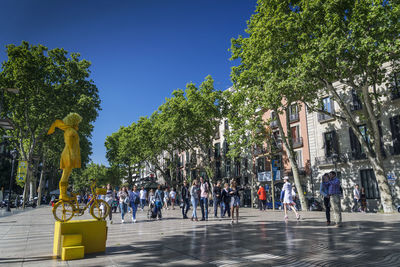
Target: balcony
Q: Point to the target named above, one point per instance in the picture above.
(329, 160)
(395, 94)
(259, 151)
(273, 124)
(294, 117)
(324, 117)
(297, 142)
(355, 106)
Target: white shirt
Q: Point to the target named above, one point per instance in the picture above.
(143, 194)
(172, 194)
(356, 193)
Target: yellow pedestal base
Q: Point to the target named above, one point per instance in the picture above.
(72, 253)
(91, 234)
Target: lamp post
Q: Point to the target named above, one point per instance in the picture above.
(14, 154)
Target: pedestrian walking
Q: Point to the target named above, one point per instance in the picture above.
(363, 198)
(158, 198)
(152, 198)
(166, 198)
(109, 198)
(204, 199)
(334, 193)
(324, 190)
(226, 200)
(134, 199)
(262, 198)
(217, 197)
(143, 197)
(194, 197)
(172, 197)
(235, 201)
(288, 198)
(185, 199)
(356, 198)
(123, 196)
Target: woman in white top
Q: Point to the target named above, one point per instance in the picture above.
(288, 198)
(172, 196)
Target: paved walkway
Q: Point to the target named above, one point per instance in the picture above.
(260, 239)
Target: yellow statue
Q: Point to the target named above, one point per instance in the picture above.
(71, 155)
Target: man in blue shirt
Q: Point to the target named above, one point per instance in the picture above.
(334, 191)
(324, 190)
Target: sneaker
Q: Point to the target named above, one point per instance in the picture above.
(122, 221)
(134, 221)
(191, 219)
(202, 219)
(328, 223)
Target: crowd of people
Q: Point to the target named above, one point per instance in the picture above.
(225, 199)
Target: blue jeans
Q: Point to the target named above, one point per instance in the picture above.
(216, 203)
(195, 202)
(134, 209)
(204, 207)
(142, 203)
(185, 207)
(227, 208)
(123, 208)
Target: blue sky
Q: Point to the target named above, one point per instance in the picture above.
(140, 50)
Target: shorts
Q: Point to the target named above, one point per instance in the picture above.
(235, 202)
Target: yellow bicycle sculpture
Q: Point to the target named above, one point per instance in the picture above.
(64, 210)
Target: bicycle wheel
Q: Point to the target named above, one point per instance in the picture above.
(100, 209)
(63, 211)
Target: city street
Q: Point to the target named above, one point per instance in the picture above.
(260, 239)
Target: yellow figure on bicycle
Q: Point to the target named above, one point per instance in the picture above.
(64, 210)
(70, 159)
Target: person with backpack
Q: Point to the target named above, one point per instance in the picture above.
(158, 198)
(134, 199)
(185, 199)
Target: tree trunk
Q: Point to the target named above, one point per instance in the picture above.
(288, 144)
(41, 181)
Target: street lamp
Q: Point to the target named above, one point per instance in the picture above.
(14, 154)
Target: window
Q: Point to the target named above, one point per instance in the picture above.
(296, 138)
(273, 122)
(294, 113)
(356, 102)
(327, 104)
(226, 148)
(237, 168)
(395, 129)
(261, 164)
(299, 158)
(368, 181)
(331, 144)
(217, 150)
(228, 168)
(357, 150)
(395, 88)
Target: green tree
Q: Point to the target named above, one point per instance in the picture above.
(267, 71)
(51, 85)
(356, 43)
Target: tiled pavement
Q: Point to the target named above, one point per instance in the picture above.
(260, 239)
